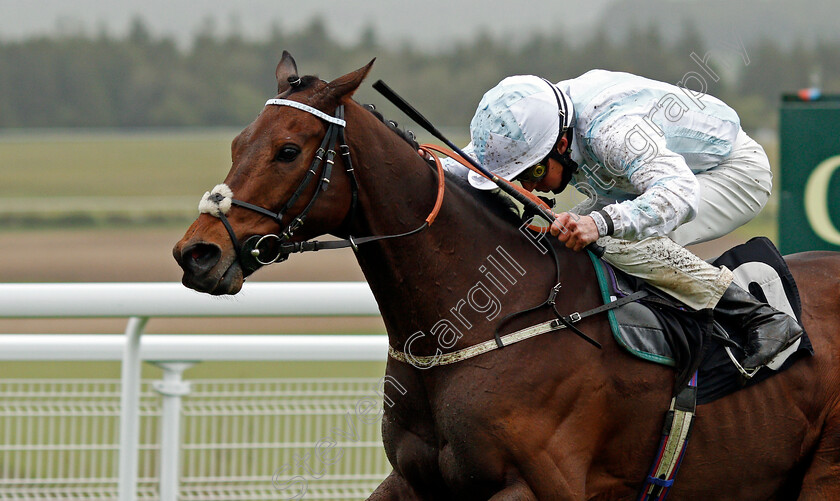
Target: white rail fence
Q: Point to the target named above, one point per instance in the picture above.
(190, 440)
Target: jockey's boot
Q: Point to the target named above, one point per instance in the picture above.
(769, 330)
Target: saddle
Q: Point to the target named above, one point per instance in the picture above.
(660, 329)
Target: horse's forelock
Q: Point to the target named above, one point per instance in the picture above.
(306, 82)
(320, 96)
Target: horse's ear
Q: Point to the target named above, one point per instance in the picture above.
(285, 69)
(344, 87)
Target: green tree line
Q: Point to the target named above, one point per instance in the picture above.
(144, 81)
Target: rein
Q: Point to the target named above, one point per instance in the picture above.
(261, 250)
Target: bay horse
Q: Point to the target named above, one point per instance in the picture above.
(549, 418)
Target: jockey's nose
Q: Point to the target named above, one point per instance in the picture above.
(198, 258)
(529, 185)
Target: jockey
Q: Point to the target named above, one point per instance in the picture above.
(663, 167)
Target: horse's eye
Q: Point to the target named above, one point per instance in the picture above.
(287, 153)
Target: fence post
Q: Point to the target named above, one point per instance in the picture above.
(171, 388)
(130, 410)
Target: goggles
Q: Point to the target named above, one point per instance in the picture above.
(536, 172)
(533, 174)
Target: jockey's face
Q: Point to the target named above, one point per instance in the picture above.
(553, 179)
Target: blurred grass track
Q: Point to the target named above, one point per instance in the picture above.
(152, 163)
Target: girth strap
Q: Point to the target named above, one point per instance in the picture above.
(675, 434)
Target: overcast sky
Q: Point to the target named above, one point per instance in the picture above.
(434, 23)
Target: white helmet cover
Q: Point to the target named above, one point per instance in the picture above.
(515, 126)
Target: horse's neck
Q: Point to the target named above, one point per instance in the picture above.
(466, 266)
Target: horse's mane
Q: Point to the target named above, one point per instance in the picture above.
(406, 135)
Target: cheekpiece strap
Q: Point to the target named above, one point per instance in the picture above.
(304, 107)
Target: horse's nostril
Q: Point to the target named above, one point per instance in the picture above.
(201, 257)
(197, 254)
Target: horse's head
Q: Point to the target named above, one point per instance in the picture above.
(282, 165)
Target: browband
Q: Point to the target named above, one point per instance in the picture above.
(318, 113)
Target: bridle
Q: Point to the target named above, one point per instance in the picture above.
(261, 250)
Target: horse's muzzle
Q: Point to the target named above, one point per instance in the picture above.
(198, 258)
(206, 271)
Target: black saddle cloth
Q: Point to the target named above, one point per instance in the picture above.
(660, 329)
